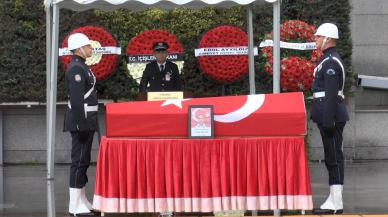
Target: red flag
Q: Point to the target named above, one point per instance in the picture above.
(251, 115)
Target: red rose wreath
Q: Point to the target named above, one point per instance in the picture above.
(139, 51)
(296, 72)
(224, 68)
(100, 63)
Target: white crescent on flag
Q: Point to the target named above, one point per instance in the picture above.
(253, 103)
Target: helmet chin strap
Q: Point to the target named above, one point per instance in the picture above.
(81, 49)
(324, 43)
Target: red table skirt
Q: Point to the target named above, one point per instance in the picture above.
(202, 175)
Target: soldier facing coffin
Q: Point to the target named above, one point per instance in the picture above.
(330, 114)
(80, 120)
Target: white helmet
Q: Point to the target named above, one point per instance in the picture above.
(77, 40)
(328, 30)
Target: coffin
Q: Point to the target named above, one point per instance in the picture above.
(234, 116)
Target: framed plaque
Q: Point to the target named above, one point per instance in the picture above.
(155, 96)
(201, 121)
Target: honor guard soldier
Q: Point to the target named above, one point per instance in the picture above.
(80, 120)
(329, 112)
(160, 74)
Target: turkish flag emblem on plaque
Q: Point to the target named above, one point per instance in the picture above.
(234, 116)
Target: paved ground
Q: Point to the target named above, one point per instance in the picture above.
(24, 190)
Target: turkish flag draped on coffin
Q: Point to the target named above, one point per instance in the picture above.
(250, 115)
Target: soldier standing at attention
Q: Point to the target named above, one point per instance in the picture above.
(329, 112)
(80, 120)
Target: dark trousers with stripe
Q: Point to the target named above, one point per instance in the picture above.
(80, 157)
(334, 156)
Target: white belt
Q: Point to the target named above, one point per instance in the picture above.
(322, 94)
(87, 108)
(92, 108)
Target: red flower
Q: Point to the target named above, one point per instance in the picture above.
(142, 43)
(107, 63)
(226, 68)
(296, 73)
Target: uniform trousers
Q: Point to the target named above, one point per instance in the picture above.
(334, 157)
(80, 157)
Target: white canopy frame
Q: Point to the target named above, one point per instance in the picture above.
(52, 28)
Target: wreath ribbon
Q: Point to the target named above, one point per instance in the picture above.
(100, 50)
(290, 45)
(296, 72)
(220, 51)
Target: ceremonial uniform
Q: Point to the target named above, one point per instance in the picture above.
(80, 118)
(329, 112)
(165, 79)
(161, 74)
(80, 121)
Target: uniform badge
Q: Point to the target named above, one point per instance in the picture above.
(168, 76)
(330, 72)
(77, 78)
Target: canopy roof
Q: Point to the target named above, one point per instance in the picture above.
(52, 27)
(138, 5)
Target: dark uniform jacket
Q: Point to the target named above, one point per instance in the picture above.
(167, 80)
(329, 76)
(79, 80)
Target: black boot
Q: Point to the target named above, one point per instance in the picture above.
(319, 211)
(96, 212)
(86, 214)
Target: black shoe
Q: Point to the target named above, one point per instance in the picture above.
(319, 211)
(96, 212)
(85, 214)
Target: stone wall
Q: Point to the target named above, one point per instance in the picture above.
(369, 25)
(24, 135)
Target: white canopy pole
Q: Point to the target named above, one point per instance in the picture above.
(276, 46)
(50, 198)
(252, 88)
(49, 118)
(48, 80)
(52, 93)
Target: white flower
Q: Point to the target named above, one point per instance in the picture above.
(95, 58)
(180, 65)
(135, 70)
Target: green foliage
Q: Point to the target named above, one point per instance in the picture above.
(22, 52)
(23, 43)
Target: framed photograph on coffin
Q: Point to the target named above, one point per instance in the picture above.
(201, 121)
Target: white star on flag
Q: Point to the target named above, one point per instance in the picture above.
(176, 102)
